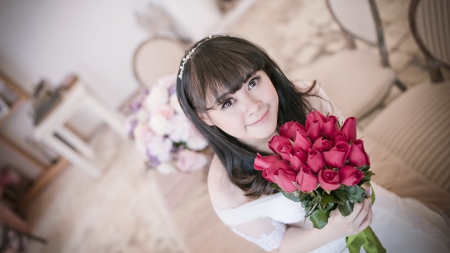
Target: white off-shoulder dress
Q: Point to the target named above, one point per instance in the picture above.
(401, 224)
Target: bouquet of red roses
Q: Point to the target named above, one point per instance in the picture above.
(322, 165)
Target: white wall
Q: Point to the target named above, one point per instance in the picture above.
(50, 38)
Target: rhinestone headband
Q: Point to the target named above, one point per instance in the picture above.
(189, 56)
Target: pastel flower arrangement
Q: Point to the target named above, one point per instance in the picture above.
(161, 131)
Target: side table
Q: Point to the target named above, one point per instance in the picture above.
(75, 150)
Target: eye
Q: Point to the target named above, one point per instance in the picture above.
(253, 83)
(227, 103)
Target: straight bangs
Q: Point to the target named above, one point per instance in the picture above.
(215, 78)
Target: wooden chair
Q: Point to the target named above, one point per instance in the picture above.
(357, 80)
(430, 26)
(156, 58)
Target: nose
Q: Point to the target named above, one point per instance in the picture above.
(252, 104)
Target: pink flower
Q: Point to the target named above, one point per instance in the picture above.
(339, 136)
(337, 156)
(301, 142)
(357, 156)
(322, 145)
(178, 128)
(282, 146)
(290, 129)
(349, 129)
(189, 161)
(306, 180)
(329, 179)
(330, 126)
(264, 162)
(350, 176)
(315, 160)
(164, 110)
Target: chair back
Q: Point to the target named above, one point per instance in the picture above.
(155, 58)
(430, 26)
(360, 19)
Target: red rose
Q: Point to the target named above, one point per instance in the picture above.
(282, 174)
(322, 145)
(302, 155)
(329, 179)
(290, 129)
(350, 176)
(302, 142)
(357, 156)
(306, 180)
(339, 136)
(330, 126)
(349, 129)
(264, 162)
(312, 116)
(296, 163)
(315, 160)
(314, 131)
(282, 146)
(337, 156)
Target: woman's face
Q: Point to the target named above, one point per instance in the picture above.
(250, 114)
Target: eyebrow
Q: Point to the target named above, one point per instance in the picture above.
(221, 97)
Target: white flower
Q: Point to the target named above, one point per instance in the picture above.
(175, 104)
(158, 95)
(167, 81)
(160, 148)
(179, 128)
(196, 140)
(166, 168)
(142, 116)
(159, 124)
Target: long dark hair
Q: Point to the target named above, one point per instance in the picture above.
(223, 63)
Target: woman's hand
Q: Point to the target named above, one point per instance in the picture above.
(339, 226)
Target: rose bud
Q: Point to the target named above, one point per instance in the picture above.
(312, 116)
(290, 129)
(306, 180)
(330, 126)
(302, 142)
(282, 146)
(296, 163)
(282, 175)
(349, 129)
(322, 145)
(350, 176)
(360, 144)
(339, 136)
(357, 156)
(314, 131)
(302, 155)
(264, 162)
(315, 160)
(274, 169)
(329, 179)
(337, 156)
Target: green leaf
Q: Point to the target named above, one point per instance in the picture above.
(356, 194)
(346, 208)
(291, 196)
(319, 218)
(341, 194)
(275, 186)
(367, 177)
(364, 167)
(326, 199)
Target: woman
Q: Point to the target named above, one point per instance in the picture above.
(238, 97)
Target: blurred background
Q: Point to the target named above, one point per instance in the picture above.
(72, 73)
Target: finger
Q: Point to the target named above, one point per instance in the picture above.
(357, 207)
(366, 222)
(362, 215)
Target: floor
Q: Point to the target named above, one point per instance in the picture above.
(131, 209)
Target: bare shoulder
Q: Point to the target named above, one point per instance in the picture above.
(304, 86)
(223, 193)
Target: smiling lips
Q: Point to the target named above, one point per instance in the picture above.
(261, 119)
